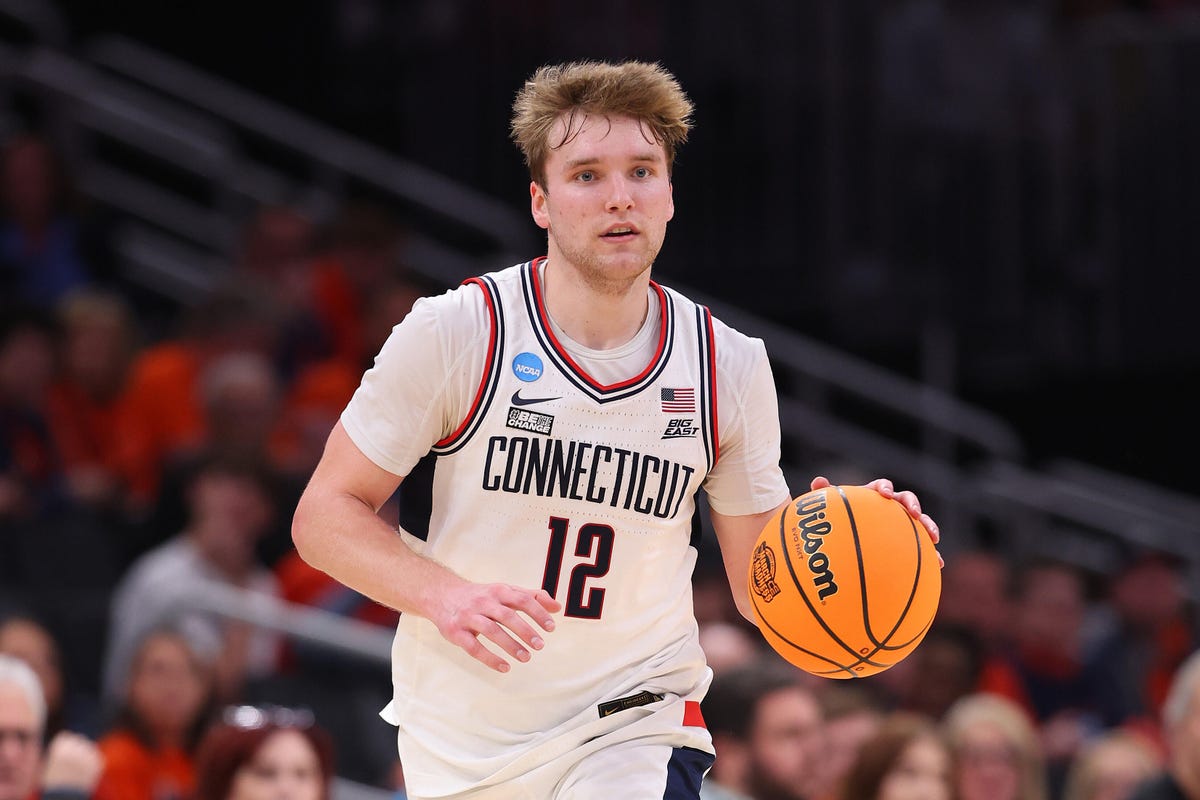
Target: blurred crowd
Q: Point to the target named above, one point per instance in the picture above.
(151, 450)
(1037, 681)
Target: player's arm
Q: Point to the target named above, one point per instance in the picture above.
(336, 529)
(736, 536)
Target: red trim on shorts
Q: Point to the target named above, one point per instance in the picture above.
(691, 714)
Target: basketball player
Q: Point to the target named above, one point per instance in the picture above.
(547, 647)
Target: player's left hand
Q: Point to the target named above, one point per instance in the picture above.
(906, 499)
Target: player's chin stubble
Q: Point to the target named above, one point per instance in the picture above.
(605, 277)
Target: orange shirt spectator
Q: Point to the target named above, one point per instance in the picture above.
(147, 754)
(84, 406)
(132, 771)
(161, 414)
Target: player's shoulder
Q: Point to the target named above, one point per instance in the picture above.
(732, 346)
(466, 306)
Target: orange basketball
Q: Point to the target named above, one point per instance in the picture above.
(844, 582)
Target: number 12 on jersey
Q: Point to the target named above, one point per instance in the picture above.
(593, 542)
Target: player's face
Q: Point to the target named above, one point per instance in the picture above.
(284, 768)
(921, 773)
(606, 200)
(786, 745)
(20, 744)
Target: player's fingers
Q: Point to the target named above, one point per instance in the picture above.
(537, 605)
(475, 649)
(883, 486)
(520, 628)
(934, 532)
(819, 482)
(910, 502)
(496, 633)
(549, 603)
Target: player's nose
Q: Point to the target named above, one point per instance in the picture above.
(620, 196)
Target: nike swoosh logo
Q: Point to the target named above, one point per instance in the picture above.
(517, 400)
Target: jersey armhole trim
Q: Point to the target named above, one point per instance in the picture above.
(491, 371)
(708, 389)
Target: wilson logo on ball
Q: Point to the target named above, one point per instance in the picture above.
(763, 573)
(869, 591)
(810, 513)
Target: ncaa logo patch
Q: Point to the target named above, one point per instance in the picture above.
(527, 367)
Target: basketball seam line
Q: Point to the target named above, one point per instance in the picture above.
(804, 596)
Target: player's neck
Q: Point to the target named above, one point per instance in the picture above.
(599, 318)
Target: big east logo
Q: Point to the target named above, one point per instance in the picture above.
(680, 429)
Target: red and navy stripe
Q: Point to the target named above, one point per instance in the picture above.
(486, 392)
(708, 386)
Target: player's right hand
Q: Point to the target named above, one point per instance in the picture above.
(467, 611)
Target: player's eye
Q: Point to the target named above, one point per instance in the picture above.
(586, 176)
(641, 172)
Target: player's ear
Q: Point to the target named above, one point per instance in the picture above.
(537, 205)
(671, 204)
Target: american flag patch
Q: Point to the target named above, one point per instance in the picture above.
(679, 401)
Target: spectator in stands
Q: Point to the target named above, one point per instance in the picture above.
(1111, 767)
(26, 638)
(164, 415)
(976, 594)
(29, 465)
(1050, 674)
(240, 398)
(768, 733)
(276, 257)
(322, 389)
(996, 750)
(946, 667)
(711, 597)
(260, 753)
(1148, 631)
(148, 753)
(907, 759)
(1181, 723)
(69, 766)
(728, 646)
(230, 509)
(40, 251)
(86, 401)
(853, 715)
(358, 257)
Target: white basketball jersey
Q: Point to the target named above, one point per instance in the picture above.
(587, 490)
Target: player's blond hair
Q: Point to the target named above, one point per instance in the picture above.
(645, 92)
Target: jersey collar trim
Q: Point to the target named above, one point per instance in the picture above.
(535, 304)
